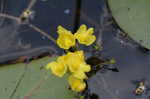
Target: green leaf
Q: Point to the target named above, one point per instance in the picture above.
(18, 81)
(133, 17)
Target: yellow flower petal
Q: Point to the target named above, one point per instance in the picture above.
(85, 67)
(80, 75)
(74, 60)
(76, 84)
(61, 30)
(57, 68)
(65, 39)
(80, 55)
(82, 28)
(90, 31)
(62, 59)
(85, 36)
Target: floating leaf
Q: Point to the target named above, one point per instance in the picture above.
(133, 17)
(20, 80)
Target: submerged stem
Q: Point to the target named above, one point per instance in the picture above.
(30, 25)
(31, 4)
(10, 17)
(42, 32)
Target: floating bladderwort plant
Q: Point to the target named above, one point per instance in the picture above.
(67, 39)
(73, 62)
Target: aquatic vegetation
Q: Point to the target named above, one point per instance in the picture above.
(57, 68)
(73, 62)
(66, 38)
(84, 35)
(76, 84)
(139, 29)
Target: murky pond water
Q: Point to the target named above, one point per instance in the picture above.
(25, 39)
(133, 62)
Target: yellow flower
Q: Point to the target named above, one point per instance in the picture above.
(76, 84)
(85, 67)
(84, 35)
(76, 64)
(80, 75)
(59, 67)
(74, 59)
(66, 38)
(62, 59)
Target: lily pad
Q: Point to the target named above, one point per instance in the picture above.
(133, 17)
(32, 81)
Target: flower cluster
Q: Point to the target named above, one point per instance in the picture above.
(66, 38)
(73, 62)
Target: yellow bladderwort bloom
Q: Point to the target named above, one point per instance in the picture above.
(76, 84)
(84, 35)
(59, 67)
(80, 73)
(65, 39)
(74, 59)
(76, 63)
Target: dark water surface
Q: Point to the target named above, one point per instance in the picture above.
(21, 40)
(133, 62)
